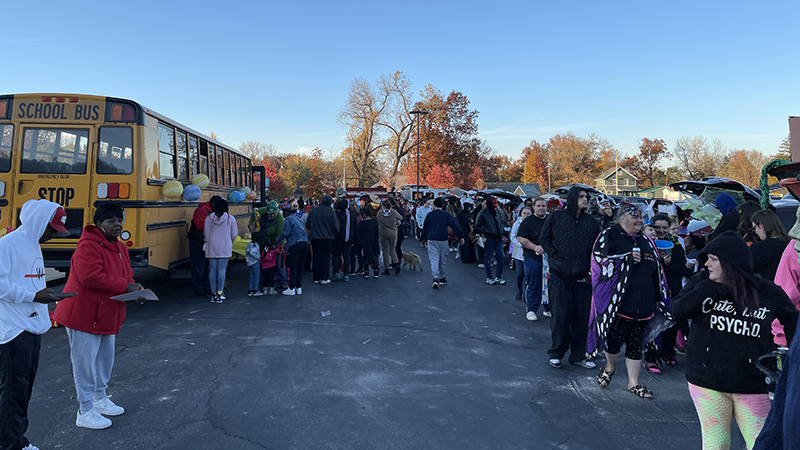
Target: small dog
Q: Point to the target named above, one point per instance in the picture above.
(412, 260)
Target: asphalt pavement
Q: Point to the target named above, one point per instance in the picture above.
(367, 364)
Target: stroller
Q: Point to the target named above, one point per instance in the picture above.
(772, 369)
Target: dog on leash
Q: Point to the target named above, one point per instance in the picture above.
(412, 260)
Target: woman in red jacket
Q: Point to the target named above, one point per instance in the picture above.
(100, 269)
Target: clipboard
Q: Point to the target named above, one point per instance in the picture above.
(146, 293)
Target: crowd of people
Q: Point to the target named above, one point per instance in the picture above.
(605, 276)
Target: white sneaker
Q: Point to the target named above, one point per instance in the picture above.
(325, 282)
(555, 363)
(289, 291)
(258, 293)
(531, 316)
(480, 266)
(299, 291)
(107, 408)
(92, 420)
(31, 447)
(586, 364)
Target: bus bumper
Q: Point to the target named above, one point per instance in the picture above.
(60, 258)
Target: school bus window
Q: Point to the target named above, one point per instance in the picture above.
(54, 150)
(115, 154)
(220, 167)
(6, 141)
(183, 156)
(212, 164)
(166, 151)
(193, 156)
(203, 156)
(228, 171)
(236, 173)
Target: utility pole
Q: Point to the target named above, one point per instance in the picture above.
(616, 171)
(417, 113)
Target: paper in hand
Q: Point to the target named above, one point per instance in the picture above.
(147, 294)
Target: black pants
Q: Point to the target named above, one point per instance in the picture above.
(341, 257)
(19, 359)
(322, 258)
(357, 255)
(295, 262)
(199, 264)
(401, 235)
(629, 332)
(569, 326)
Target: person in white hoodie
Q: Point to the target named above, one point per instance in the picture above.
(23, 314)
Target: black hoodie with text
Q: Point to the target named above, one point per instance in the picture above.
(726, 342)
(568, 237)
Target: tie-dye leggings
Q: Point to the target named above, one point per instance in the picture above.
(715, 410)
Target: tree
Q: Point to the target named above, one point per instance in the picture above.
(697, 158)
(449, 135)
(785, 149)
(276, 186)
(323, 178)
(574, 159)
(475, 179)
(440, 177)
(397, 119)
(646, 164)
(362, 115)
(295, 171)
(671, 175)
(258, 151)
(535, 158)
(745, 166)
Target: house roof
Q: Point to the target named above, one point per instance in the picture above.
(611, 171)
(530, 190)
(504, 186)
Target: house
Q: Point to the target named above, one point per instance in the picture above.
(616, 181)
(522, 189)
(664, 192)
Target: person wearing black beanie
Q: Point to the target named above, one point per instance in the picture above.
(732, 310)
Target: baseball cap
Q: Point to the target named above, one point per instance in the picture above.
(58, 220)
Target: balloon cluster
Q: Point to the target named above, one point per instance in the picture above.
(193, 192)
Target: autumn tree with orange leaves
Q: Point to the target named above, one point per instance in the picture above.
(449, 137)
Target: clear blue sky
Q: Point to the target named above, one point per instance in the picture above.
(278, 72)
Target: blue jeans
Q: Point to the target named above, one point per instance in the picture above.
(255, 277)
(216, 274)
(533, 276)
(280, 274)
(493, 247)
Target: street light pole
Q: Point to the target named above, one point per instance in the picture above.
(417, 113)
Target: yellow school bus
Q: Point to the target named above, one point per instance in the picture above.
(77, 150)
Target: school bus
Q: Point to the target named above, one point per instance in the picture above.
(77, 150)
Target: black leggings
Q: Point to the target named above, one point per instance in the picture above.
(627, 331)
(295, 262)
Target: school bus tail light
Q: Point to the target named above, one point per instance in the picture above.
(2, 188)
(122, 113)
(113, 190)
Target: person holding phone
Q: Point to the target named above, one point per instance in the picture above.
(101, 269)
(23, 314)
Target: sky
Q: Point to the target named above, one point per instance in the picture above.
(279, 72)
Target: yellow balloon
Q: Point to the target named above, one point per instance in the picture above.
(200, 180)
(172, 189)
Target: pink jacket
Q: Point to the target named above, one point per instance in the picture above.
(788, 278)
(220, 232)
